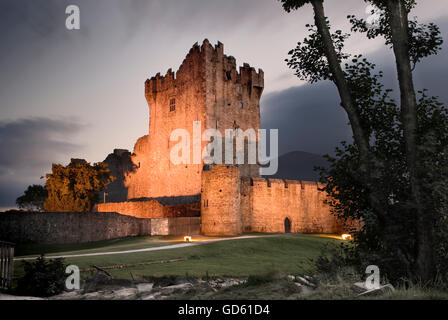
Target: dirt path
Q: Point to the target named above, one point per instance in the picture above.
(174, 246)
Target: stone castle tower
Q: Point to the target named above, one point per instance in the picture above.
(216, 199)
(206, 88)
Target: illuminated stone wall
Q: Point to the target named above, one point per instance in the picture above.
(207, 88)
(231, 204)
(67, 227)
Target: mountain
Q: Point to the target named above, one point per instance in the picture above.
(299, 165)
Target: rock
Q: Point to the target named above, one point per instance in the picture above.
(92, 296)
(186, 279)
(305, 282)
(154, 296)
(95, 282)
(310, 279)
(382, 289)
(72, 295)
(145, 287)
(177, 287)
(359, 287)
(305, 290)
(291, 277)
(11, 297)
(122, 294)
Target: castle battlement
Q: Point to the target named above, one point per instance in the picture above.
(209, 88)
(194, 65)
(280, 183)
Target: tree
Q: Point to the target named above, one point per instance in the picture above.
(75, 188)
(321, 57)
(410, 42)
(33, 199)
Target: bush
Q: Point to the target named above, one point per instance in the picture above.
(336, 263)
(43, 278)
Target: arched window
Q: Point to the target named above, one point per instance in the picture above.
(172, 104)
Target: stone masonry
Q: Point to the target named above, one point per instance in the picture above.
(230, 199)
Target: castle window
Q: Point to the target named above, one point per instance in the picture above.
(172, 105)
(241, 105)
(228, 75)
(238, 89)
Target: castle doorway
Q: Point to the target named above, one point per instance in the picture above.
(287, 225)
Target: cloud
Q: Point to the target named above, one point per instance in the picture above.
(310, 117)
(28, 147)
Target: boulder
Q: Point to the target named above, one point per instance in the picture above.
(382, 289)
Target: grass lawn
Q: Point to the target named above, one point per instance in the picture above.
(23, 250)
(286, 253)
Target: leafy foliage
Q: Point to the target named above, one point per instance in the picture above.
(290, 5)
(75, 188)
(389, 235)
(308, 58)
(33, 199)
(43, 278)
(424, 39)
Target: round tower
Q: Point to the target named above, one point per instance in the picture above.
(220, 201)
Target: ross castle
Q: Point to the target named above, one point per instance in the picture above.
(229, 199)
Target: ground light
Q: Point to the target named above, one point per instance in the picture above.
(346, 237)
(187, 238)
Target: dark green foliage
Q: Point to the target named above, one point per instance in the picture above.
(290, 5)
(33, 199)
(383, 196)
(75, 188)
(43, 278)
(388, 238)
(337, 262)
(424, 39)
(259, 279)
(308, 58)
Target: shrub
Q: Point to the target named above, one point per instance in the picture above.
(43, 277)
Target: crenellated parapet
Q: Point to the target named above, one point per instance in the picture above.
(265, 204)
(195, 61)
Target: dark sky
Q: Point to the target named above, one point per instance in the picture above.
(79, 94)
(309, 116)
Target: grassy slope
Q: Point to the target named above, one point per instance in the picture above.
(91, 247)
(288, 254)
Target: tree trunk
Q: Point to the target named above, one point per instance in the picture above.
(398, 16)
(367, 162)
(359, 135)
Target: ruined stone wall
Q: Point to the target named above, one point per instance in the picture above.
(66, 227)
(266, 203)
(139, 209)
(150, 209)
(207, 88)
(184, 226)
(220, 201)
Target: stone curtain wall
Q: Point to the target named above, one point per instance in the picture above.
(185, 226)
(139, 209)
(266, 203)
(231, 205)
(60, 228)
(151, 209)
